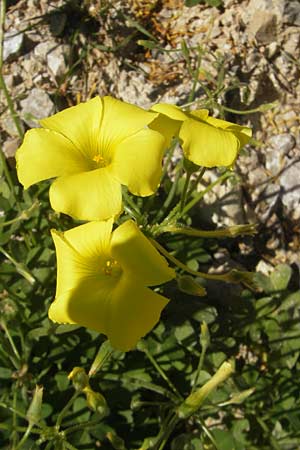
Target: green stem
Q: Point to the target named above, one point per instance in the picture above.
(19, 267)
(200, 365)
(10, 339)
(170, 196)
(205, 191)
(197, 181)
(228, 277)
(13, 410)
(7, 174)
(185, 189)
(236, 230)
(6, 426)
(24, 438)
(14, 419)
(65, 410)
(169, 429)
(208, 434)
(24, 215)
(10, 358)
(196, 75)
(160, 370)
(80, 426)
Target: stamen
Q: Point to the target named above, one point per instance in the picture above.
(99, 160)
(110, 266)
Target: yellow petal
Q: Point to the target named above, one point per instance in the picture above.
(241, 132)
(133, 311)
(45, 154)
(114, 303)
(83, 288)
(81, 254)
(93, 195)
(171, 111)
(80, 124)
(121, 120)
(199, 114)
(137, 256)
(169, 128)
(85, 305)
(137, 162)
(208, 146)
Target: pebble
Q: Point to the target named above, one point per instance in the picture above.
(292, 13)
(290, 183)
(283, 142)
(56, 60)
(263, 27)
(12, 44)
(36, 106)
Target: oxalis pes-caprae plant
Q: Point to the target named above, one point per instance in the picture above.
(105, 155)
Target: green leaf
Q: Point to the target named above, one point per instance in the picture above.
(188, 285)
(280, 277)
(184, 331)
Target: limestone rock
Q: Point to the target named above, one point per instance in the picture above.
(12, 44)
(36, 106)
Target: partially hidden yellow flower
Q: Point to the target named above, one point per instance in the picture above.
(206, 141)
(103, 280)
(93, 148)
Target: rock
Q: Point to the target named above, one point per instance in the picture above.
(264, 267)
(283, 142)
(41, 50)
(254, 7)
(56, 60)
(263, 27)
(36, 106)
(9, 126)
(275, 161)
(292, 13)
(10, 146)
(12, 44)
(290, 183)
(292, 41)
(132, 87)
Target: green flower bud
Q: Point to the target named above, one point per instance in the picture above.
(33, 414)
(96, 401)
(195, 400)
(79, 378)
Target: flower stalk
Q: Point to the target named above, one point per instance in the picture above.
(196, 399)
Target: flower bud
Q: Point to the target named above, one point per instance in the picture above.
(33, 414)
(96, 401)
(195, 400)
(79, 378)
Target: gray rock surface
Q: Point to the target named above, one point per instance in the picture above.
(56, 60)
(290, 183)
(12, 44)
(35, 106)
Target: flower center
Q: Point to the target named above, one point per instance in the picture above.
(111, 267)
(99, 160)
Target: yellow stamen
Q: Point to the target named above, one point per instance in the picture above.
(99, 160)
(110, 265)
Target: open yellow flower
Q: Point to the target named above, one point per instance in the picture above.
(206, 141)
(103, 279)
(93, 148)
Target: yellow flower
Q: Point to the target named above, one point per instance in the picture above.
(206, 141)
(93, 148)
(103, 279)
